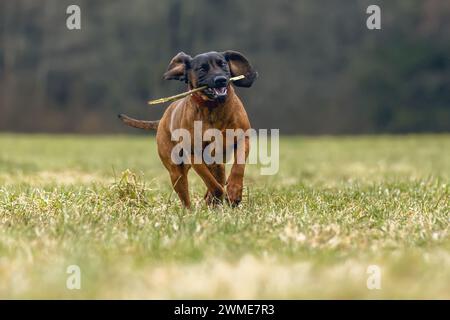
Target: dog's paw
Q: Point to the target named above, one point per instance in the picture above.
(213, 199)
(234, 194)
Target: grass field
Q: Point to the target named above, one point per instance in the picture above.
(337, 206)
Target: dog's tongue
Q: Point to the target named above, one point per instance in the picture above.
(220, 91)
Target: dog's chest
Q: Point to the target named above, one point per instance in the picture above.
(213, 119)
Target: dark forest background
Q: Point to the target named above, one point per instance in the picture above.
(321, 70)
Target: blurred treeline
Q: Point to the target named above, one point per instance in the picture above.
(321, 70)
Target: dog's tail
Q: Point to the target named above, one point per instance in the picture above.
(141, 124)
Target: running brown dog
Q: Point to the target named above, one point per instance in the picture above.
(217, 107)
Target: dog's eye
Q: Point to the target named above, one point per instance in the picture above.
(220, 63)
(204, 67)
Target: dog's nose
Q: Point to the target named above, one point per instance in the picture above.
(220, 81)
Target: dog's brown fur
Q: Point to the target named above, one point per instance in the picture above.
(221, 115)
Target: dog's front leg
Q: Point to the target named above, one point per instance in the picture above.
(235, 181)
(214, 187)
(218, 171)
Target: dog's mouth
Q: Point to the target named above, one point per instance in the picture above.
(216, 93)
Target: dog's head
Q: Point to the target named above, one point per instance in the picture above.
(211, 69)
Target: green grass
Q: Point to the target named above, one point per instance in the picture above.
(337, 205)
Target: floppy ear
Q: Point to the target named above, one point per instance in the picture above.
(239, 65)
(177, 67)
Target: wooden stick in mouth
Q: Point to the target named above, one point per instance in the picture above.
(184, 94)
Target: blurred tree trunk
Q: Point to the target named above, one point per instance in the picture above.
(173, 20)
